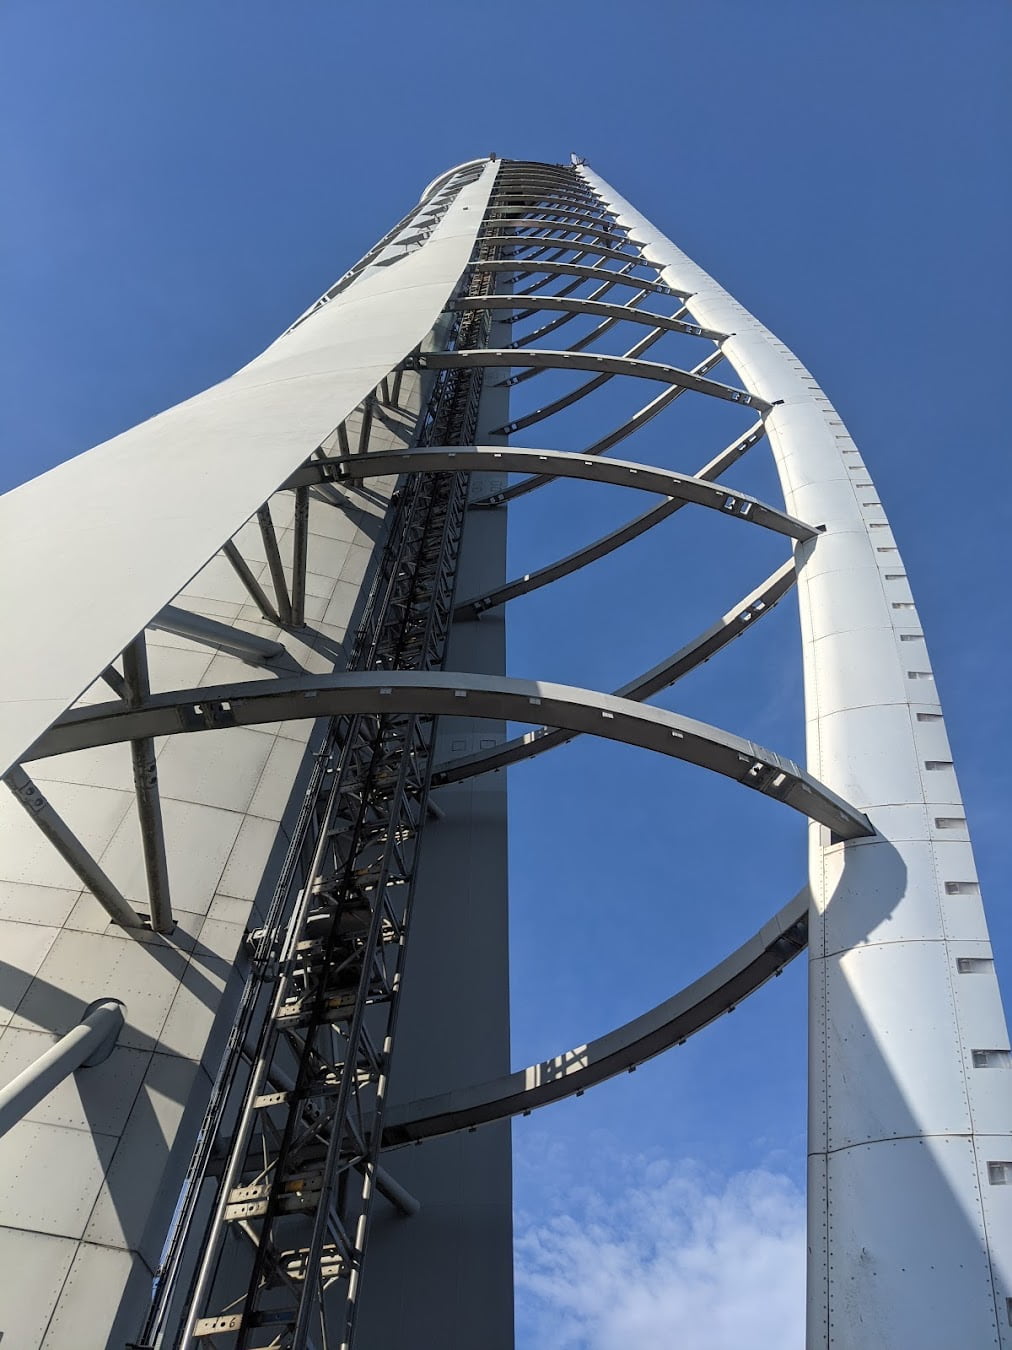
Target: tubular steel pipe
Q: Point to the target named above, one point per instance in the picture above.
(90, 1042)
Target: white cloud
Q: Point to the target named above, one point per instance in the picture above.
(676, 1260)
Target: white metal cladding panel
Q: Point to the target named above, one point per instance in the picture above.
(934, 1251)
(151, 506)
(33, 1268)
(893, 1064)
(895, 1225)
(122, 1128)
(880, 892)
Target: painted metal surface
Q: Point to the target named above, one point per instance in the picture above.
(564, 464)
(446, 693)
(201, 469)
(717, 992)
(904, 1000)
(910, 1239)
(85, 1045)
(81, 1249)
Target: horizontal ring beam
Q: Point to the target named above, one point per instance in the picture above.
(544, 329)
(559, 269)
(670, 1023)
(639, 419)
(581, 391)
(476, 605)
(485, 357)
(571, 287)
(449, 694)
(561, 464)
(553, 229)
(607, 543)
(694, 654)
(519, 218)
(598, 250)
(596, 308)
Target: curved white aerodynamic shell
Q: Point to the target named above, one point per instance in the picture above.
(910, 1124)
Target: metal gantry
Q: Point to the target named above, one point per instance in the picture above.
(268, 1242)
(293, 1136)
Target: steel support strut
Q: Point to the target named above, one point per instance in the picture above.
(294, 1196)
(268, 1242)
(149, 806)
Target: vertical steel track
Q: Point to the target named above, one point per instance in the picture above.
(290, 1143)
(910, 1106)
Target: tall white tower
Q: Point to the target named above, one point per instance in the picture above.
(253, 878)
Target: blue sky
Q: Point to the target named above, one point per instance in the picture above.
(182, 179)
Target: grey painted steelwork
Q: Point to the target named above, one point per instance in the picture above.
(718, 992)
(600, 548)
(287, 1072)
(70, 848)
(87, 1044)
(564, 464)
(694, 654)
(200, 628)
(910, 1243)
(618, 313)
(609, 365)
(434, 695)
(137, 690)
(579, 272)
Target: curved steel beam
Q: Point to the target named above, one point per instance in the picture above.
(577, 270)
(581, 391)
(607, 543)
(559, 192)
(563, 464)
(611, 365)
(561, 319)
(695, 653)
(587, 340)
(632, 424)
(597, 308)
(609, 233)
(546, 277)
(670, 1023)
(521, 314)
(598, 250)
(575, 219)
(452, 693)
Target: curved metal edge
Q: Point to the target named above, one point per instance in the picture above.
(670, 1023)
(694, 654)
(537, 290)
(558, 269)
(587, 339)
(536, 334)
(629, 427)
(454, 693)
(577, 219)
(597, 308)
(611, 365)
(598, 250)
(444, 178)
(477, 604)
(533, 368)
(564, 464)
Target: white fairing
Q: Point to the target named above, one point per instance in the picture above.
(910, 1232)
(89, 1179)
(165, 494)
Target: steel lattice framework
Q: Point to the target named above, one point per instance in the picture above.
(911, 1114)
